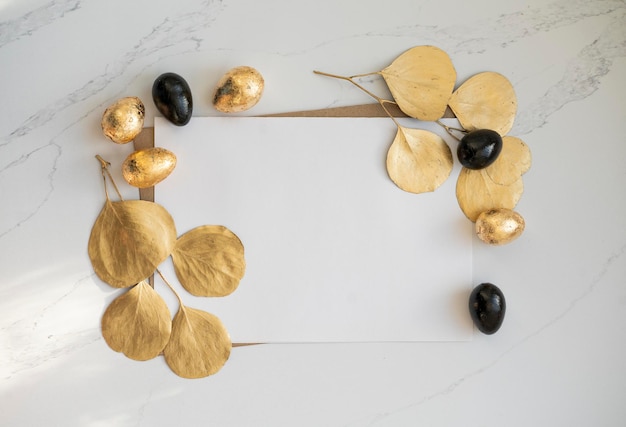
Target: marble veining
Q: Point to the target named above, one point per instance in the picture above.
(509, 29)
(583, 74)
(23, 354)
(559, 54)
(170, 32)
(30, 22)
(615, 257)
(56, 153)
(582, 77)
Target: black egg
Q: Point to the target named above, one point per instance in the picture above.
(172, 97)
(479, 148)
(487, 307)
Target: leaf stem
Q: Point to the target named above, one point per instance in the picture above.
(450, 130)
(103, 166)
(180, 301)
(350, 79)
(106, 173)
(356, 76)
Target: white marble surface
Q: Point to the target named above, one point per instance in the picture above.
(558, 359)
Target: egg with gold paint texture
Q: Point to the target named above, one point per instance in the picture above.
(499, 226)
(123, 120)
(147, 167)
(238, 90)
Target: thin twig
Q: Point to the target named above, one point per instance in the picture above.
(350, 79)
(180, 301)
(450, 130)
(105, 169)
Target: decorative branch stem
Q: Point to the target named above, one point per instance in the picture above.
(450, 130)
(357, 76)
(350, 79)
(180, 301)
(106, 173)
(382, 104)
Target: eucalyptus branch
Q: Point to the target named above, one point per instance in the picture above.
(350, 79)
(450, 130)
(180, 301)
(106, 173)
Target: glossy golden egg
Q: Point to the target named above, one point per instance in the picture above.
(238, 90)
(499, 226)
(123, 120)
(147, 167)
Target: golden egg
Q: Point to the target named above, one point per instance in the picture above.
(123, 120)
(238, 90)
(148, 166)
(499, 226)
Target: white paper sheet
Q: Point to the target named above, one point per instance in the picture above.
(335, 251)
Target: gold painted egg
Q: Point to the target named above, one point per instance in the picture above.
(238, 90)
(123, 120)
(499, 226)
(148, 166)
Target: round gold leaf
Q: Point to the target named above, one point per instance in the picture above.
(421, 81)
(418, 161)
(513, 161)
(199, 345)
(485, 101)
(129, 240)
(209, 261)
(138, 323)
(477, 193)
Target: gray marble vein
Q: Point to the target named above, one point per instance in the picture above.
(175, 31)
(51, 334)
(582, 77)
(611, 261)
(21, 355)
(55, 151)
(30, 22)
(507, 29)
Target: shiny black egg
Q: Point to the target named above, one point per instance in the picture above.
(479, 148)
(172, 96)
(487, 307)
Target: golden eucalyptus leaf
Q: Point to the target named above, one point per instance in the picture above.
(199, 344)
(485, 101)
(209, 261)
(129, 240)
(477, 193)
(137, 323)
(418, 161)
(514, 161)
(421, 81)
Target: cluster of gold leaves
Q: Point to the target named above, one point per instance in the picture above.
(128, 241)
(487, 101)
(421, 81)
